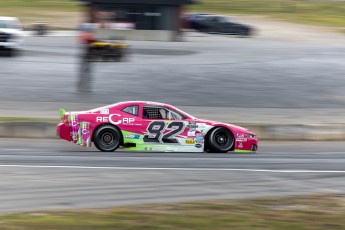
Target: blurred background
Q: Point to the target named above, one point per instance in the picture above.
(274, 66)
(242, 54)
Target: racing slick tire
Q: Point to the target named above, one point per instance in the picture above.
(220, 140)
(107, 138)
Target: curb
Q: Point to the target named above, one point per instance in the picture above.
(42, 130)
(299, 132)
(271, 132)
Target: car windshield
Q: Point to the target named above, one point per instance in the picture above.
(227, 19)
(8, 24)
(182, 112)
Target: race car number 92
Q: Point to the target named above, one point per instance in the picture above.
(156, 130)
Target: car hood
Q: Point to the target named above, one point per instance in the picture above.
(230, 126)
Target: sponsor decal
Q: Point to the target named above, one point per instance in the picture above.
(85, 134)
(199, 137)
(116, 119)
(198, 145)
(201, 125)
(191, 133)
(192, 126)
(199, 142)
(190, 142)
(133, 136)
(104, 111)
(80, 131)
(73, 121)
(239, 135)
(240, 145)
(241, 139)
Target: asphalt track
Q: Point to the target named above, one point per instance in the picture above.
(47, 175)
(203, 70)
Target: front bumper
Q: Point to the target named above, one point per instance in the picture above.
(246, 145)
(10, 45)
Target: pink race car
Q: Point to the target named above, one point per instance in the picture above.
(152, 126)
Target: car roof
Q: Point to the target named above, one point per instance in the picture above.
(145, 103)
(150, 103)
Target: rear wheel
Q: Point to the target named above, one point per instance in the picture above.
(107, 138)
(220, 140)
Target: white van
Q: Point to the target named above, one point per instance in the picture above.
(11, 34)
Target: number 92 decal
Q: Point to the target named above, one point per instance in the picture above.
(155, 132)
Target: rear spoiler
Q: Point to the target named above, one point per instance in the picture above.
(62, 114)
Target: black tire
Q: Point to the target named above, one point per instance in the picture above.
(11, 53)
(117, 54)
(124, 54)
(220, 140)
(107, 138)
(106, 53)
(205, 29)
(244, 32)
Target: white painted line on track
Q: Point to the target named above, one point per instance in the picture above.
(176, 169)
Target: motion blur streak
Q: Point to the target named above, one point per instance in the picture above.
(174, 169)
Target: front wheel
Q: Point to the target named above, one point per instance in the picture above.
(244, 32)
(220, 140)
(107, 138)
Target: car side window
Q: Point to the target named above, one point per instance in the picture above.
(161, 113)
(153, 113)
(174, 116)
(3, 24)
(133, 110)
(16, 25)
(215, 19)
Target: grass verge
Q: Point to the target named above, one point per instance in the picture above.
(325, 13)
(58, 13)
(308, 212)
(28, 119)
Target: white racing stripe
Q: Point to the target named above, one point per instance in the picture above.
(176, 169)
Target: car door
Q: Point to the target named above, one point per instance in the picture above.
(163, 126)
(225, 26)
(129, 121)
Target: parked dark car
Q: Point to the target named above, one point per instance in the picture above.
(221, 24)
(191, 21)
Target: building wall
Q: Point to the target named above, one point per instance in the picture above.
(159, 21)
(137, 35)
